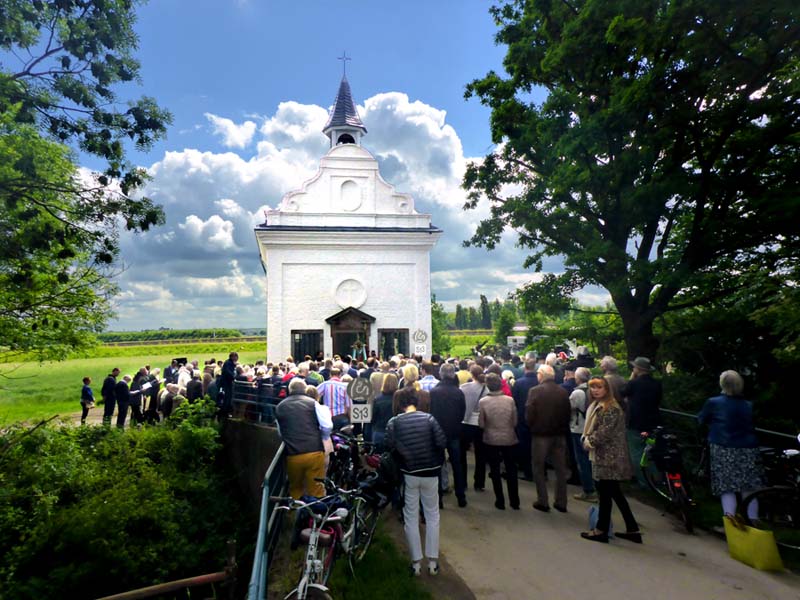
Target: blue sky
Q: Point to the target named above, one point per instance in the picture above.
(249, 83)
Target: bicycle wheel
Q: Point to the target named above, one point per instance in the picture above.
(366, 522)
(312, 593)
(684, 505)
(656, 480)
(327, 554)
(778, 511)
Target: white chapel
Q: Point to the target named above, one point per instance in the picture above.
(347, 258)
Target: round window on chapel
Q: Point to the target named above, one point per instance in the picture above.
(345, 138)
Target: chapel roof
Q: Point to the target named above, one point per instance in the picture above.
(344, 113)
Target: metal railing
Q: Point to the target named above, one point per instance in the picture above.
(254, 401)
(776, 436)
(276, 483)
(226, 576)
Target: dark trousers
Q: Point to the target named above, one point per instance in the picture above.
(84, 413)
(137, 418)
(459, 475)
(523, 451)
(108, 410)
(584, 464)
(608, 490)
(505, 454)
(472, 435)
(122, 414)
(553, 447)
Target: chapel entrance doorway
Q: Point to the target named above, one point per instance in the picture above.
(350, 329)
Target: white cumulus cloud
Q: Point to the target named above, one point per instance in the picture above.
(202, 268)
(233, 135)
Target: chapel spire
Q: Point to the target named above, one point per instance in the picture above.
(344, 126)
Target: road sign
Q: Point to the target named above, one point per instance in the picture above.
(361, 413)
(360, 390)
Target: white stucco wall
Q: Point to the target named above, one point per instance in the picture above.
(307, 254)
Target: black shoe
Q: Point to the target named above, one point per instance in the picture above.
(441, 504)
(595, 537)
(541, 507)
(562, 509)
(462, 502)
(479, 488)
(526, 477)
(633, 536)
(499, 505)
(515, 507)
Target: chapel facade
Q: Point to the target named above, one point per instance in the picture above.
(347, 258)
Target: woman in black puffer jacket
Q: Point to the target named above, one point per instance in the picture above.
(419, 442)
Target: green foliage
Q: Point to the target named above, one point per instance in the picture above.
(461, 317)
(91, 511)
(486, 313)
(504, 326)
(664, 160)
(474, 319)
(166, 334)
(53, 294)
(440, 341)
(62, 63)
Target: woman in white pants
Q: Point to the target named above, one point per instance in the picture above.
(418, 442)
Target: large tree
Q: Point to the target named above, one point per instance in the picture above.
(61, 67)
(664, 158)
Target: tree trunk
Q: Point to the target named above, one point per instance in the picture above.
(639, 338)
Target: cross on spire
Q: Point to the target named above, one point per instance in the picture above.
(344, 58)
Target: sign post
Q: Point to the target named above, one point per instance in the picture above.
(360, 393)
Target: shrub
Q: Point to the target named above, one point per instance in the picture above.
(91, 511)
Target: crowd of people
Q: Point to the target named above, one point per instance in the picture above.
(517, 415)
(150, 396)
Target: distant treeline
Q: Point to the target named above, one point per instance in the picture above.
(167, 334)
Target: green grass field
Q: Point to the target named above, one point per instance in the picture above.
(32, 391)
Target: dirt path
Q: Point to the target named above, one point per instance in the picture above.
(528, 554)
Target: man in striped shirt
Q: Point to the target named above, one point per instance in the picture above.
(333, 394)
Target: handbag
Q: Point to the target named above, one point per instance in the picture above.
(754, 547)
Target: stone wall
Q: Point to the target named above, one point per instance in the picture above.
(250, 448)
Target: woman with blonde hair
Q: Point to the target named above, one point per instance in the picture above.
(411, 379)
(604, 437)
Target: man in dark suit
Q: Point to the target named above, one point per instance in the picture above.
(643, 396)
(194, 389)
(520, 394)
(448, 405)
(122, 394)
(107, 393)
(226, 382)
(171, 372)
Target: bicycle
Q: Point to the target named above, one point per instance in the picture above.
(320, 539)
(663, 470)
(778, 506)
(342, 522)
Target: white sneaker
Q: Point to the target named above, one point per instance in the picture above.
(433, 568)
(416, 569)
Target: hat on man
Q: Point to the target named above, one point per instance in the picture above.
(640, 362)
